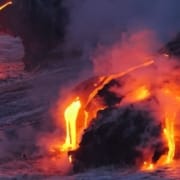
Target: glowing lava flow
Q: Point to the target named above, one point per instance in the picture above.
(113, 76)
(169, 129)
(170, 138)
(169, 133)
(143, 92)
(71, 114)
(5, 5)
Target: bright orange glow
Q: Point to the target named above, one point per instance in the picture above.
(73, 114)
(113, 76)
(154, 80)
(70, 115)
(5, 5)
(169, 133)
(148, 166)
(86, 119)
(142, 93)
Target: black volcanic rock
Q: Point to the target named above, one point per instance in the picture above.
(119, 136)
(110, 98)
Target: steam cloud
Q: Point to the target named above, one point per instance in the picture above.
(102, 21)
(98, 26)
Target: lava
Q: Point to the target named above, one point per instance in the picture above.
(113, 76)
(5, 5)
(83, 109)
(71, 114)
(169, 132)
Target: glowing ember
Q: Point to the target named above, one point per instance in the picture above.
(71, 112)
(141, 93)
(70, 115)
(5, 5)
(170, 138)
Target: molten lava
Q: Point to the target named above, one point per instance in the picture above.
(169, 133)
(106, 80)
(71, 114)
(141, 92)
(5, 5)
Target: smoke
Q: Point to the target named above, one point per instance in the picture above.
(115, 35)
(131, 50)
(155, 86)
(100, 22)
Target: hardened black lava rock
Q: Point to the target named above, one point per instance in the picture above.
(110, 98)
(119, 136)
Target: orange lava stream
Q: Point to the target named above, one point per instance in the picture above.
(169, 129)
(110, 77)
(71, 114)
(142, 93)
(169, 133)
(148, 166)
(71, 117)
(5, 5)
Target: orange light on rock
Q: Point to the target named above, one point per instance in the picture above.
(150, 167)
(113, 76)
